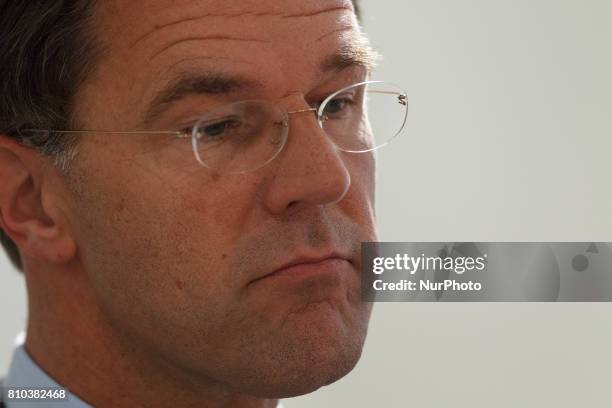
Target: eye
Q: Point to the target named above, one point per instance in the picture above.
(218, 129)
(337, 106)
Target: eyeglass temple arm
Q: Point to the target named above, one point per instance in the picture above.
(110, 132)
(136, 132)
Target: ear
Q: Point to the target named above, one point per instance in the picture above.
(30, 205)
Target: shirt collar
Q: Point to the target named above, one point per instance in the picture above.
(25, 373)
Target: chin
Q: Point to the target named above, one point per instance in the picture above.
(313, 350)
(304, 372)
(318, 373)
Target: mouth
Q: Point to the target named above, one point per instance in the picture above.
(303, 267)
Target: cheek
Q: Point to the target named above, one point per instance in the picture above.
(222, 208)
(152, 239)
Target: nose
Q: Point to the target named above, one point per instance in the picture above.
(310, 169)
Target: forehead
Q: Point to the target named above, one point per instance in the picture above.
(135, 19)
(165, 27)
(278, 42)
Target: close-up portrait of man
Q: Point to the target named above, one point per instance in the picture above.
(185, 186)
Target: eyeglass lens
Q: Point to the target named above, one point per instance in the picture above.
(244, 136)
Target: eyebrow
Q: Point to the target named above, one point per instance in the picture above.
(189, 84)
(358, 54)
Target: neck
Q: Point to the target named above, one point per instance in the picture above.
(68, 337)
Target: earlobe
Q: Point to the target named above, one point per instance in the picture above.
(23, 215)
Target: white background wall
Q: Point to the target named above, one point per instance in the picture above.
(509, 139)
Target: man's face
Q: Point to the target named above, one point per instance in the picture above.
(180, 258)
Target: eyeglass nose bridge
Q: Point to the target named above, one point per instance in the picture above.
(306, 110)
(320, 119)
(303, 110)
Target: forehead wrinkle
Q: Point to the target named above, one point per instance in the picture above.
(206, 38)
(319, 12)
(339, 30)
(240, 14)
(172, 67)
(159, 27)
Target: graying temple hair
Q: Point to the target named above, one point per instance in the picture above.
(47, 49)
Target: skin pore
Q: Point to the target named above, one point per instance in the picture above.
(147, 273)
